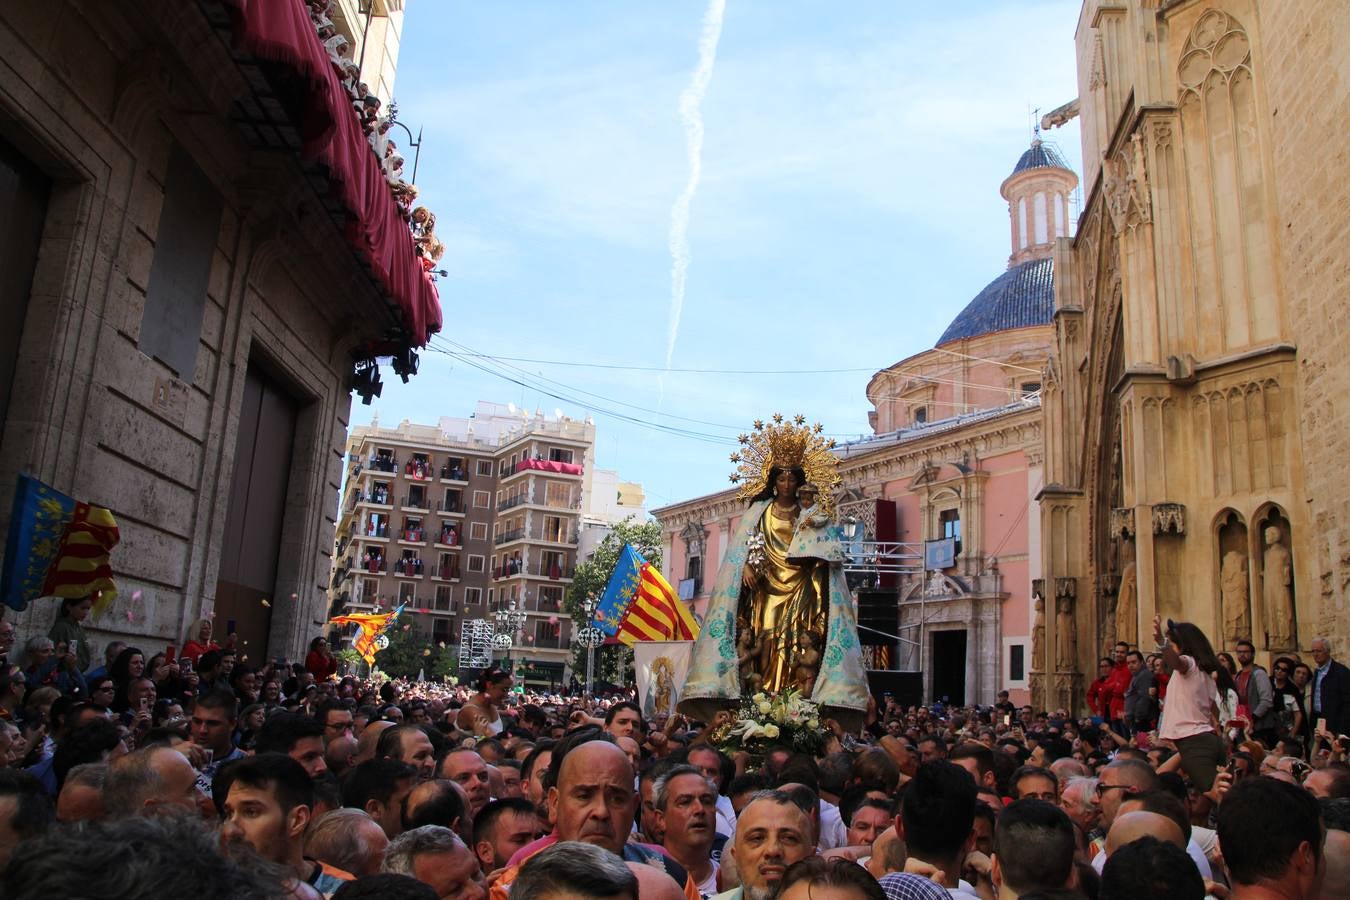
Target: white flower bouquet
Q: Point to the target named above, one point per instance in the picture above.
(766, 720)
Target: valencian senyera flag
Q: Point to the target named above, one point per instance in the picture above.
(640, 605)
(372, 625)
(57, 547)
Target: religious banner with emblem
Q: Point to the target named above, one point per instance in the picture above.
(661, 669)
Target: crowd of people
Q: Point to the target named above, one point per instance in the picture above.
(151, 772)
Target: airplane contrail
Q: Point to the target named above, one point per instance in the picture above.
(691, 113)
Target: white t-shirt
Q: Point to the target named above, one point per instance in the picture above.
(1192, 850)
(833, 832)
(726, 816)
(708, 886)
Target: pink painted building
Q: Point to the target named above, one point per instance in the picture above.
(953, 467)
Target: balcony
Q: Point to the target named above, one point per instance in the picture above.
(521, 534)
(376, 534)
(416, 503)
(453, 508)
(538, 570)
(513, 502)
(446, 573)
(546, 466)
(446, 541)
(383, 464)
(454, 475)
(374, 566)
(419, 470)
(408, 568)
(378, 499)
(412, 536)
(506, 537)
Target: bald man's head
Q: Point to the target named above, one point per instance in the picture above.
(340, 752)
(594, 800)
(654, 883)
(1336, 851)
(1131, 826)
(370, 738)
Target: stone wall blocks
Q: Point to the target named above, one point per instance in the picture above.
(131, 487)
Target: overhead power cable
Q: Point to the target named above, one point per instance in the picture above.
(592, 365)
(587, 405)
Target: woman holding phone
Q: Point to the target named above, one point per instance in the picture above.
(1191, 713)
(69, 628)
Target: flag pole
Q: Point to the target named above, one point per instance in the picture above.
(590, 648)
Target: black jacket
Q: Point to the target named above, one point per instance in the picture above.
(1335, 699)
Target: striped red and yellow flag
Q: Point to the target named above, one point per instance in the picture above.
(81, 567)
(656, 613)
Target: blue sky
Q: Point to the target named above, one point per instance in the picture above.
(848, 206)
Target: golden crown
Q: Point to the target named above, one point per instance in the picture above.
(786, 444)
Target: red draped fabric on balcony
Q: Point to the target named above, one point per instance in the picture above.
(281, 31)
(547, 465)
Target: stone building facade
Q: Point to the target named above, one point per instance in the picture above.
(1192, 431)
(467, 518)
(180, 304)
(955, 460)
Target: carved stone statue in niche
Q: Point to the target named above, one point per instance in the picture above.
(1066, 637)
(1127, 606)
(1277, 589)
(1038, 636)
(1237, 624)
(1110, 593)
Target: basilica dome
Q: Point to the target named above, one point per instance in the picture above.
(1021, 297)
(1040, 156)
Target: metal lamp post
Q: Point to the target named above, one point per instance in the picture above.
(590, 637)
(509, 621)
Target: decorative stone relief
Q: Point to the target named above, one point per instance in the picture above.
(1066, 587)
(1162, 135)
(1063, 692)
(1169, 517)
(1126, 184)
(1122, 521)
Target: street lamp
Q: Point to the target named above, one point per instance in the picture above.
(590, 637)
(509, 621)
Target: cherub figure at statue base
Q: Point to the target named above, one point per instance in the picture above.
(806, 662)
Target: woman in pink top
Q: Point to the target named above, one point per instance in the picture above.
(1191, 713)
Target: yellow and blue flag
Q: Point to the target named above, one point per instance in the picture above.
(640, 605)
(57, 547)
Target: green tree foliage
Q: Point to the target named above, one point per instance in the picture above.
(412, 651)
(614, 664)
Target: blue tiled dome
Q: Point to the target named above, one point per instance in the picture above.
(1040, 156)
(1019, 298)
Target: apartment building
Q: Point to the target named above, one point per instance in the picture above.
(474, 519)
